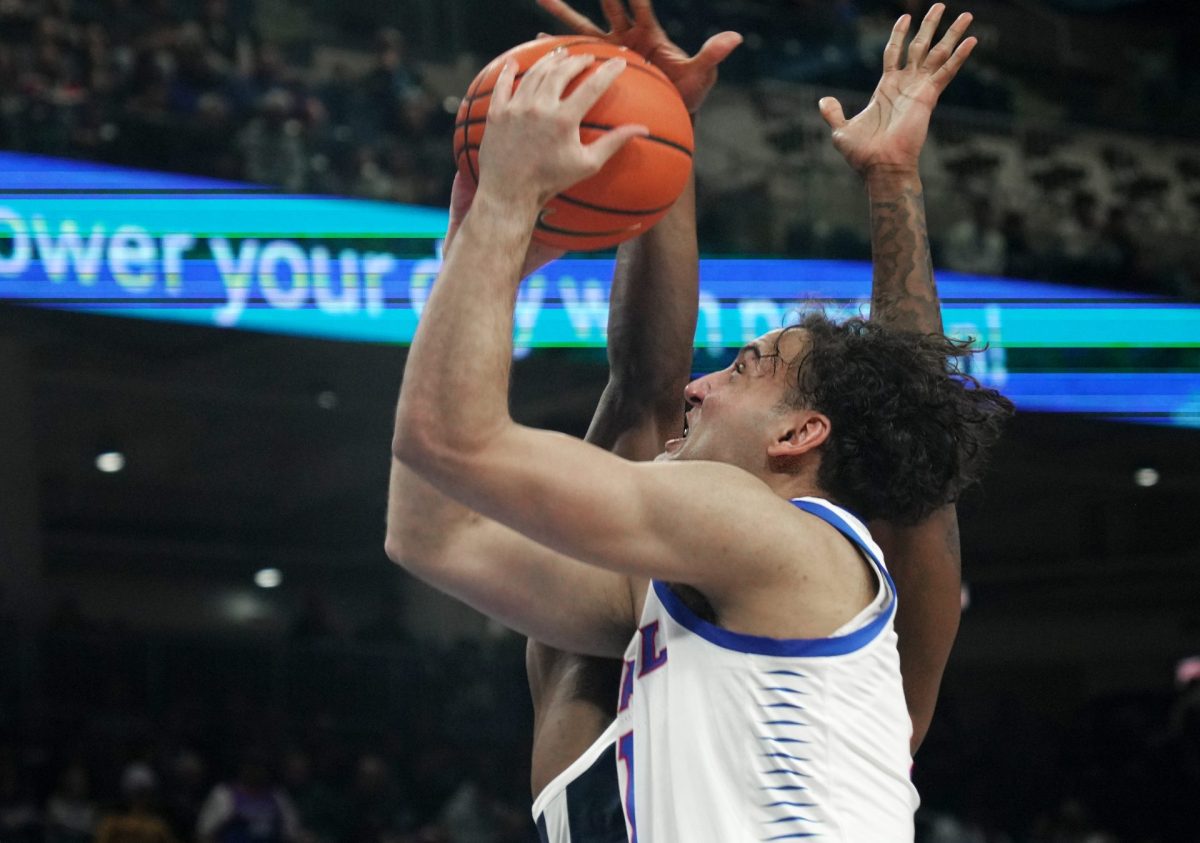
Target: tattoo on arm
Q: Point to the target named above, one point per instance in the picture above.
(904, 293)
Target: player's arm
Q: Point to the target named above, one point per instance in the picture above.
(652, 322)
(507, 575)
(491, 567)
(670, 521)
(883, 143)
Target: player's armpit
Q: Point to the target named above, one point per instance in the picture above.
(926, 564)
(510, 577)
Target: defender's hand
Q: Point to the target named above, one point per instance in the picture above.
(531, 148)
(461, 196)
(888, 134)
(693, 76)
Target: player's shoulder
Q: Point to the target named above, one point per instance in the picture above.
(724, 491)
(710, 474)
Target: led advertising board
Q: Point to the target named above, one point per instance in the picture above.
(77, 235)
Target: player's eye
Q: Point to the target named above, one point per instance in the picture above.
(740, 367)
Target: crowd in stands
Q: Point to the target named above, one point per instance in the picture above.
(334, 735)
(195, 86)
(195, 89)
(1004, 197)
(318, 737)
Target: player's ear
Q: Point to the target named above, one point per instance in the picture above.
(804, 431)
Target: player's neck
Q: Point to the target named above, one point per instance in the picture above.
(798, 482)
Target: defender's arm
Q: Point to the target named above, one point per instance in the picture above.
(883, 143)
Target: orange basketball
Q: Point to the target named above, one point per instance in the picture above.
(637, 186)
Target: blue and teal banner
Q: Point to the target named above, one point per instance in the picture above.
(77, 235)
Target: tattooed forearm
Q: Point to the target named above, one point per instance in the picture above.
(904, 293)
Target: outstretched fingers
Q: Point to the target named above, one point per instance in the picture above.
(535, 76)
(559, 76)
(572, 19)
(895, 44)
(716, 49)
(831, 110)
(920, 44)
(643, 12)
(945, 48)
(610, 143)
(502, 93)
(614, 12)
(942, 76)
(593, 87)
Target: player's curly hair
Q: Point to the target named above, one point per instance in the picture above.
(908, 432)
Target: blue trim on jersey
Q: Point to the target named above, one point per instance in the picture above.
(788, 647)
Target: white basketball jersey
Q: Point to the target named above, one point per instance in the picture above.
(582, 804)
(725, 737)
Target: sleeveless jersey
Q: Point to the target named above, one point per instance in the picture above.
(582, 804)
(727, 737)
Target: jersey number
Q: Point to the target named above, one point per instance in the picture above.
(625, 753)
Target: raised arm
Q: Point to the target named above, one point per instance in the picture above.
(652, 320)
(651, 326)
(665, 520)
(883, 144)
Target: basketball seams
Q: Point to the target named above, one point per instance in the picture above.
(575, 221)
(581, 203)
(602, 127)
(670, 144)
(466, 139)
(591, 206)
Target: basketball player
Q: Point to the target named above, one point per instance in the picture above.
(897, 222)
(652, 323)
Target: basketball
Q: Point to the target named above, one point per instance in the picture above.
(637, 186)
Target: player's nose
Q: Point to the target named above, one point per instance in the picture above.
(695, 391)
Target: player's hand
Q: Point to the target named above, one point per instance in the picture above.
(461, 196)
(888, 134)
(531, 149)
(694, 76)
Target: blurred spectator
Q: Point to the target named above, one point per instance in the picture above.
(139, 822)
(379, 810)
(1077, 238)
(1020, 261)
(70, 812)
(475, 812)
(320, 810)
(250, 809)
(1178, 755)
(976, 244)
(393, 89)
(20, 817)
(273, 143)
(1072, 823)
(1119, 248)
(184, 792)
(233, 45)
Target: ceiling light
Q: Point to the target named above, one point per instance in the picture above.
(327, 399)
(110, 462)
(1146, 477)
(268, 578)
